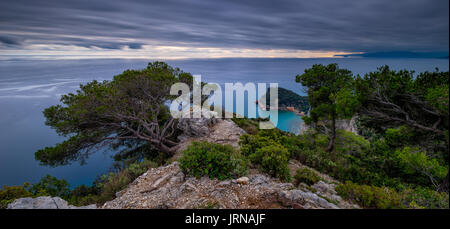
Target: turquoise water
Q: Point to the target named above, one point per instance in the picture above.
(28, 87)
(289, 121)
(286, 120)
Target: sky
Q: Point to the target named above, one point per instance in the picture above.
(173, 29)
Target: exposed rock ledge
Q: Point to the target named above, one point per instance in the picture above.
(168, 187)
(44, 202)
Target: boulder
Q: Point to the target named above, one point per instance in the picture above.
(196, 127)
(242, 180)
(44, 202)
(296, 198)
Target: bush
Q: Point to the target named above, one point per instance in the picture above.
(383, 197)
(398, 136)
(213, 160)
(251, 126)
(51, 186)
(9, 194)
(417, 166)
(110, 184)
(307, 176)
(348, 143)
(250, 143)
(267, 150)
(370, 196)
(425, 198)
(105, 187)
(84, 195)
(273, 160)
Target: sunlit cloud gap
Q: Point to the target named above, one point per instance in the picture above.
(41, 51)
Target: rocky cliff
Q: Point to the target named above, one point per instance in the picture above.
(168, 187)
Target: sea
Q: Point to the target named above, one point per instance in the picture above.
(27, 87)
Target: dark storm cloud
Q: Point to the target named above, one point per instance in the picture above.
(8, 40)
(345, 25)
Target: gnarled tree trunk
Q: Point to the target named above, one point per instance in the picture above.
(333, 134)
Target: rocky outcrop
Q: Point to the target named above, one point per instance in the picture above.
(168, 187)
(304, 200)
(196, 127)
(223, 131)
(44, 202)
(342, 124)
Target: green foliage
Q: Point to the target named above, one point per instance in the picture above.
(324, 85)
(251, 126)
(398, 136)
(307, 176)
(51, 186)
(438, 98)
(213, 160)
(121, 112)
(391, 99)
(350, 143)
(353, 158)
(9, 194)
(109, 184)
(418, 165)
(84, 195)
(267, 150)
(370, 196)
(273, 160)
(331, 95)
(385, 198)
(421, 197)
(47, 186)
(403, 117)
(346, 102)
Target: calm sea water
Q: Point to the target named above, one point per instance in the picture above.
(28, 87)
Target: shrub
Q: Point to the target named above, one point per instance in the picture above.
(213, 160)
(9, 194)
(370, 196)
(84, 195)
(420, 197)
(110, 184)
(51, 186)
(249, 143)
(106, 186)
(348, 143)
(273, 160)
(398, 136)
(383, 197)
(419, 167)
(307, 176)
(251, 126)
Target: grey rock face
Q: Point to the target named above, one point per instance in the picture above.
(342, 124)
(196, 127)
(154, 190)
(44, 202)
(305, 199)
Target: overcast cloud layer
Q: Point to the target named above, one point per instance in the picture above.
(186, 26)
